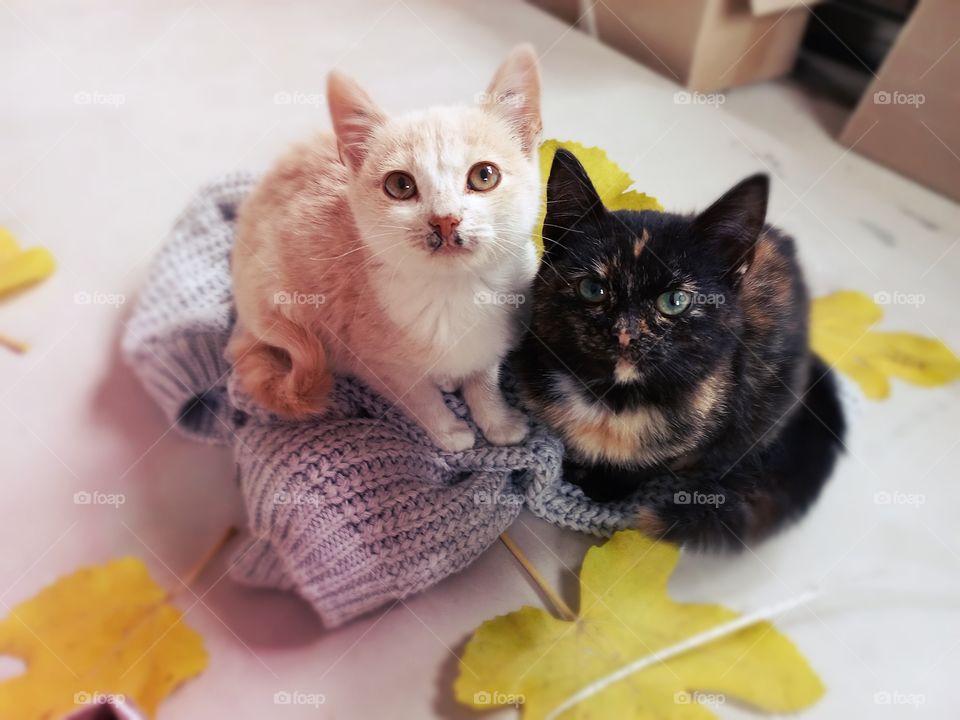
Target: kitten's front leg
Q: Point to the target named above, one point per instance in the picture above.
(499, 423)
(422, 401)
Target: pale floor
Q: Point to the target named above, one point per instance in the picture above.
(100, 185)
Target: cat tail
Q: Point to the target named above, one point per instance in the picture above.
(285, 370)
(763, 491)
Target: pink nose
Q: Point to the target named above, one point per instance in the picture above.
(446, 227)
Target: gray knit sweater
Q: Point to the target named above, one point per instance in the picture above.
(354, 509)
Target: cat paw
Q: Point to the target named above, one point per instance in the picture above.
(448, 386)
(455, 438)
(508, 428)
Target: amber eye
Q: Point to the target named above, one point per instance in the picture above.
(400, 185)
(483, 176)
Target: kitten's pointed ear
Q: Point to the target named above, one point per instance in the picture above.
(571, 198)
(514, 94)
(355, 116)
(734, 222)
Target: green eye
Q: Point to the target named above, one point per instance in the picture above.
(673, 302)
(592, 290)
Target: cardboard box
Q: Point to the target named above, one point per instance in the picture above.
(705, 45)
(909, 118)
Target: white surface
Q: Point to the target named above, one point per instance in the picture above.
(100, 185)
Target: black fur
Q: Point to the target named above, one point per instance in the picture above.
(728, 401)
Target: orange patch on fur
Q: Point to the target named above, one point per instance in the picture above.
(625, 371)
(641, 243)
(606, 436)
(709, 397)
(649, 523)
(601, 269)
(768, 284)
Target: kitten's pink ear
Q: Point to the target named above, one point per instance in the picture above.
(514, 94)
(355, 116)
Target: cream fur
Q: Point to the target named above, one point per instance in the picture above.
(333, 275)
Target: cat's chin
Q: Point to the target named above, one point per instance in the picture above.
(452, 252)
(625, 372)
(454, 260)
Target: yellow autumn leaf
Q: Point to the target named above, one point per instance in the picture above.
(20, 268)
(8, 244)
(103, 630)
(841, 333)
(610, 180)
(529, 657)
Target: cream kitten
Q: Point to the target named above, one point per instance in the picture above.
(397, 250)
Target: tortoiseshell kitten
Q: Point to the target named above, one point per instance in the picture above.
(670, 352)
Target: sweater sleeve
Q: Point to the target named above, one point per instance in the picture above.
(175, 337)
